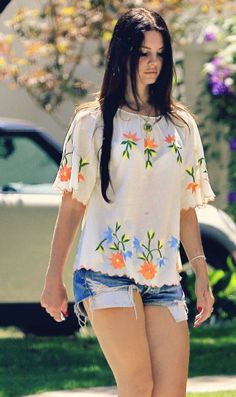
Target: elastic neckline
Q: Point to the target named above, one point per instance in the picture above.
(138, 114)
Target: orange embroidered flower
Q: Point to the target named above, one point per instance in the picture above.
(192, 186)
(80, 177)
(149, 143)
(117, 260)
(65, 173)
(132, 137)
(170, 139)
(148, 270)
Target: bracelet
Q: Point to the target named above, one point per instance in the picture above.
(196, 257)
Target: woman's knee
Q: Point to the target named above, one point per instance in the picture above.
(135, 385)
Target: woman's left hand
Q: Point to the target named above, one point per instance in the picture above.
(205, 300)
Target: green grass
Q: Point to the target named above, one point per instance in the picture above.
(31, 365)
(217, 394)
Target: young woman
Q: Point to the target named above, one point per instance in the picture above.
(133, 171)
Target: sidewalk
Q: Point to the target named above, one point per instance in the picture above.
(198, 384)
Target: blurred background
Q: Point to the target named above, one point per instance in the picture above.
(52, 55)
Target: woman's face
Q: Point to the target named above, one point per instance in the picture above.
(151, 58)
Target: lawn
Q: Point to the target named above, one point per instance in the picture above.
(32, 364)
(218, 394)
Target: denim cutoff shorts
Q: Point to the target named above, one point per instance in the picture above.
(105, 291)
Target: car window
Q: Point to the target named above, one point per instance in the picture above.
(23, 161)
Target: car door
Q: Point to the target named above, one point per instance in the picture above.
(28, 210)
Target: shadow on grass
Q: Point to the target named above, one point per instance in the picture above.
(34, 365)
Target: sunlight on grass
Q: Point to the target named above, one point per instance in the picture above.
(11, 332)
(72, 362)
(216, 394)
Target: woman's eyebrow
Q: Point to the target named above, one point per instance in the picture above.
(143, 46)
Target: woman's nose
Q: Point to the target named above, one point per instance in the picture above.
(153, 59)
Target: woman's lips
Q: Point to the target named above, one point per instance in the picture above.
(150, 72)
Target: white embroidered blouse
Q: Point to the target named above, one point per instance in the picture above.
(154, 176)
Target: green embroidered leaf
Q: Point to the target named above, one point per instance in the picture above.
(117, 226)
(143, 257)
(99, 247)
(150, 234)
(200, 161)
(114, 247)
(148, 164)
(125, 238)
(190, 171)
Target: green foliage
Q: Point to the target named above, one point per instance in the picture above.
(223, 283)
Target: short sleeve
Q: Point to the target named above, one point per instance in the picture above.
(195, 187)
(79, 163)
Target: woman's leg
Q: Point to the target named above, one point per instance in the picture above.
(124, 343)
(169, 349)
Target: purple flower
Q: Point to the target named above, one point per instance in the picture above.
(231, 197)
(232, 144)
(209, 36)
(217, 78)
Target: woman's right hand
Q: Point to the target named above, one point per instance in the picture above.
(54, 299)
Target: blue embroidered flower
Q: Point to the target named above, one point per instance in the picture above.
(127, 253)
(174, 243)
(108, 235)
(162, 261)
(136, 245)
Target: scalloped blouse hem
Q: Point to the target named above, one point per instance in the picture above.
(75, 193)
(158, 285)
(203, 204)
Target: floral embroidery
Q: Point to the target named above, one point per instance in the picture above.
(130, 143)
(148, 269)
(145, 251)
(192, 185)
(174, 243)
(117, 260)
(171, 139)
(116, 244)
(149, 151)
(65, 173)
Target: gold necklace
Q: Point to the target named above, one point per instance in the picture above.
(147, 126)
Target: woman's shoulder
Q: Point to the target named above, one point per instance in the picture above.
(184, 120)
(184, 115)
(88, 113)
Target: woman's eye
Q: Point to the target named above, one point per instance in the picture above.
(143, 54)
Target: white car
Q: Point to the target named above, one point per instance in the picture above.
(29, 161)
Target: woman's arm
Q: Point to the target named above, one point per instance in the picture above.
(54, 296)
(191, 240)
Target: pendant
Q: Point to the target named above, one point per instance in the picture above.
(147, 126)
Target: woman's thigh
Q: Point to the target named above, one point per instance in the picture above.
(169, 350)
(123, 340)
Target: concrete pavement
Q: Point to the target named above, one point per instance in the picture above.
(198, 384)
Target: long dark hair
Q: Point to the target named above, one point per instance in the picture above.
(124, 52)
